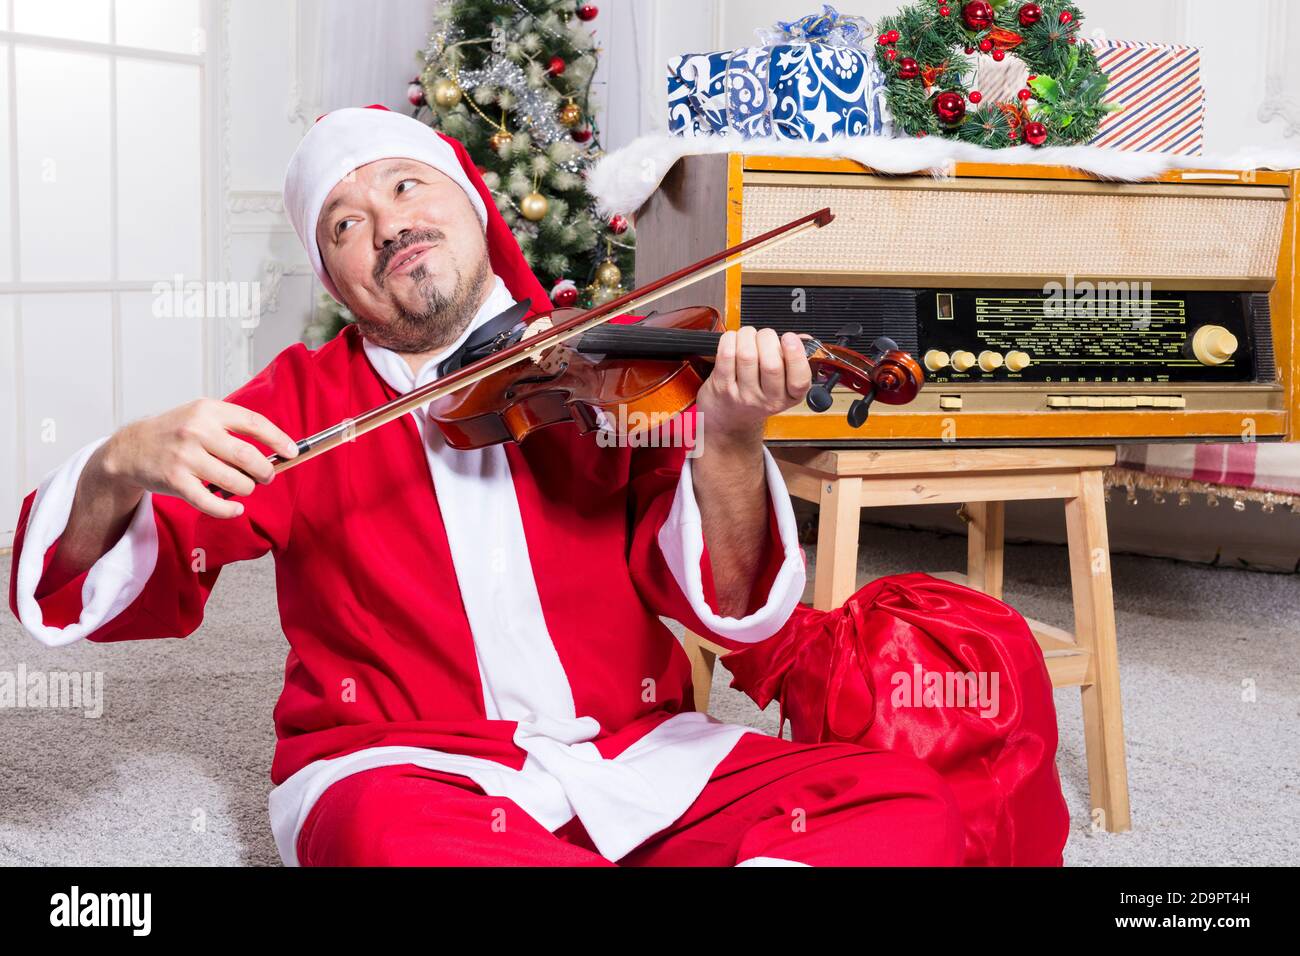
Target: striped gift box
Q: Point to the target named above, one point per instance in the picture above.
(1159, 87)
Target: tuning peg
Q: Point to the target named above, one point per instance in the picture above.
(848, 333)
(860, 409)
(883, 345)
(819, 396)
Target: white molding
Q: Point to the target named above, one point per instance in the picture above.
(1278, 101)
(273, 271)
(245, 201)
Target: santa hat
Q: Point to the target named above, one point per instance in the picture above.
(347, 139)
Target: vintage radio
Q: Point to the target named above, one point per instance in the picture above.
(1046, 305)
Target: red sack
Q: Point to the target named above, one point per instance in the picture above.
(917, 665)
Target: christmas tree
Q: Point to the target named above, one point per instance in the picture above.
(511, 79)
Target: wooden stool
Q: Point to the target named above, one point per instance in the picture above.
(843, 482)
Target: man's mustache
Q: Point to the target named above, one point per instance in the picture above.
(410, 239)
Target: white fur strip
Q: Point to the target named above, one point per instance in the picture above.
(627, 177)
(769, 861)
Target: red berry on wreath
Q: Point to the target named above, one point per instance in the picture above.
(581, 133)
(891, 54)
(978, 15)
(1024, 94)
(985, 45)
(976, 96)
(945, 11)
(588, 11)
(949, 107)
(1035, 134)
(556, 66)
(1066, 16)
(1071, 39)
(970, 49)
(1030, 14)
(618, 225)
(883, 39)
(1032, 77)
(999, 55)
(908, 68)
(894, 36)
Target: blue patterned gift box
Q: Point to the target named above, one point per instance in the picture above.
(805, 90)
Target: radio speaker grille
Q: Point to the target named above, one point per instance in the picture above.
(929, 232)
(825, 310)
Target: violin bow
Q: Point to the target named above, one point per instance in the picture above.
(352, 428)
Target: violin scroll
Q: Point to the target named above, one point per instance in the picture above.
(886, 374)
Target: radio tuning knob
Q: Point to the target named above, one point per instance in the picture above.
(1018, 361)
(963, 361)
(990, 361)
(1213, 345)
(936, 360)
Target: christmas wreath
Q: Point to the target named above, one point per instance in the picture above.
(926, 52)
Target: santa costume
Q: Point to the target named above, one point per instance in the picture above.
(476, 671)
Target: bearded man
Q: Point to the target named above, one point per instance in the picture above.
(477, 672)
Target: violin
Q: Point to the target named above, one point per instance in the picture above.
(643, 373)
(656, 364)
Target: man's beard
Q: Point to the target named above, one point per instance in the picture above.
(443, 318)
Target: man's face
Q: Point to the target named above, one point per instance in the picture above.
(407, 254)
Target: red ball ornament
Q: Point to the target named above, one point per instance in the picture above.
(976, 96)
(564, 294)
(945, 11)
(581, 133)
(1035, 134)
(588, 11)
(618, 225)
(415, 94)
(999, 55)
(978, 15)
(1066, 16)
(985, 45)
(1024, 95)
(1030, 14)
(908, 68)
(891, 54)
(970, 49)
(949, 107)
(556, 66)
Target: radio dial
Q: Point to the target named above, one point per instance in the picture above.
(963, 361)
(935, 360)
(990, 361)
(1213, 345)
(1018, 361)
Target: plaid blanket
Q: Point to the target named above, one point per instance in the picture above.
(1261, 467)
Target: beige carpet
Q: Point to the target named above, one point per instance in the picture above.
(175, 771)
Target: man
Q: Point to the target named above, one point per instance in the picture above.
(477, 672)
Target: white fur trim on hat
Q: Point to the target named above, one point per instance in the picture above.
(348, 139)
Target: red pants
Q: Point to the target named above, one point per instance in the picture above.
(831, 804)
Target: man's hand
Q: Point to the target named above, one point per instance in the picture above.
(181, 451)
(756, 375)
(174, 453)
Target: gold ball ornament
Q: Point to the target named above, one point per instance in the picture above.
(534, 206)
(499, 140)
(608, 274)
(446, 93)
(601, 294)
(570, 115)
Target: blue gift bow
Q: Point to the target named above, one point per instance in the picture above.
(817, 27)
